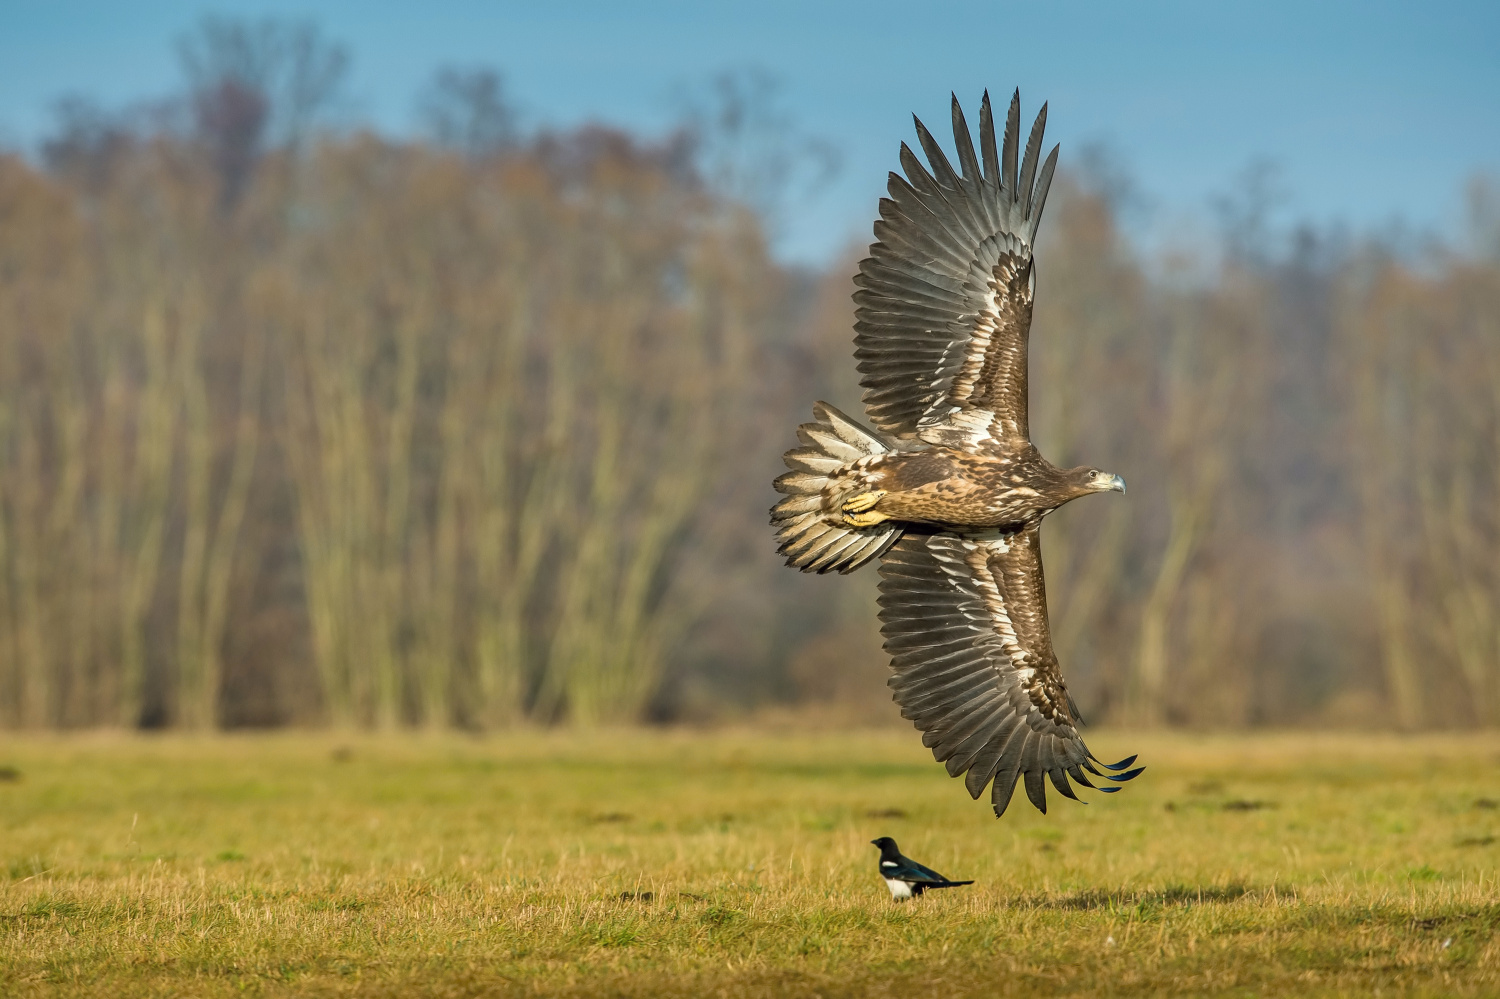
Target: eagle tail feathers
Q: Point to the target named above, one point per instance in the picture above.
(805, 534)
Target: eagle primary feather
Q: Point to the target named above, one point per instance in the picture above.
(946, 291)
(950, 493)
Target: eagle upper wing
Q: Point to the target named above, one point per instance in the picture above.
(944, 299)
(965, 623)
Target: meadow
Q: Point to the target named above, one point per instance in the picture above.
(737, 863)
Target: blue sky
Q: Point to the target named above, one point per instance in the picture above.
(1373, 112)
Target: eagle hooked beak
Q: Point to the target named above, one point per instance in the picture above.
(1103, 482)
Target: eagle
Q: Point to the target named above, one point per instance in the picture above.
(947, 490)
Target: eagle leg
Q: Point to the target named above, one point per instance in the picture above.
(858, 510)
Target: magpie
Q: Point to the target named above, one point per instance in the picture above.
(904, 876)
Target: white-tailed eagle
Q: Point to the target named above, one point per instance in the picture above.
(948, 491)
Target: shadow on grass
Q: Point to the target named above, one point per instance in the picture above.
(1171, 895)
(1486, 920)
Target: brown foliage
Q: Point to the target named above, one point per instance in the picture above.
(402, 436)
(463, 413)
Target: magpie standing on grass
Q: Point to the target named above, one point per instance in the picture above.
(904, 876)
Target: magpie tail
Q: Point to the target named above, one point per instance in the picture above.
(918, 887)
(809, 532)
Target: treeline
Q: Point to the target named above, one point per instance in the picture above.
(300, 426)
(427, 431)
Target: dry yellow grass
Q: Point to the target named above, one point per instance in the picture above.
(649, 863)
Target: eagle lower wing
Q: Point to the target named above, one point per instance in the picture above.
(944, 300)
(965, 623)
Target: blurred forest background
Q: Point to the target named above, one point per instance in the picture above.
(304, 424)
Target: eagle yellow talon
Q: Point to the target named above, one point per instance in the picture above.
(858, 510)
(863, 502)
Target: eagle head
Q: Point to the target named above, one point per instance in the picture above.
(1091, 480)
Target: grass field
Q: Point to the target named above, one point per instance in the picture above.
(648, 863)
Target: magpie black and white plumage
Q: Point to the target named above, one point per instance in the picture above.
(904, 876)
(946, 489)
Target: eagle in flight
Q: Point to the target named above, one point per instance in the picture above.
(948, 491)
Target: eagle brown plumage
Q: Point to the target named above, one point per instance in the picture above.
(948, 491)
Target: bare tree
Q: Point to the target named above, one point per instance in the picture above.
(1245, 213)
(749, 147)
(87, 142)
(254, 85)
(466, 110)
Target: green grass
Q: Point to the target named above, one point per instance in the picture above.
(737, 863)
